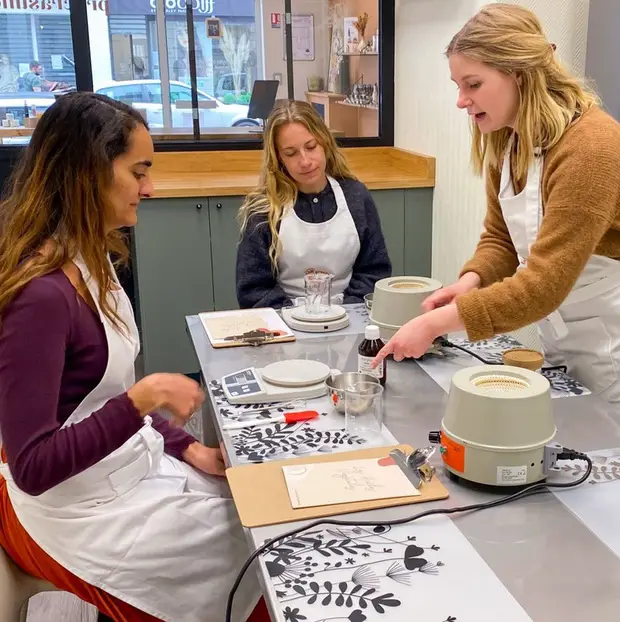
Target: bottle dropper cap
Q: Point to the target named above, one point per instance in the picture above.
(372, 332)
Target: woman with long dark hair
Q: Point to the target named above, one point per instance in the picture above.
(100, 494)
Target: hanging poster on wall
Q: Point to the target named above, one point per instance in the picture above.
(303, 37)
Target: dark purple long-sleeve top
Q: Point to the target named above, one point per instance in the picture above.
(53, 353)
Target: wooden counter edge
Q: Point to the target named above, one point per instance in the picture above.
(206, 191)
(407, 169)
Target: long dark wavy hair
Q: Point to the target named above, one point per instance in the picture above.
(59, 191)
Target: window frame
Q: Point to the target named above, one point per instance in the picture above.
(84, 82)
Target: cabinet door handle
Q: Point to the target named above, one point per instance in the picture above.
(198, 206)
(219, 206)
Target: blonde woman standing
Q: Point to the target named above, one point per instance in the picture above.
(308, 212)
(549, 252)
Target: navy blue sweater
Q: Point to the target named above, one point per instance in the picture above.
(257, 285)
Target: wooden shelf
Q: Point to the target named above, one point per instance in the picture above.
(367, 106)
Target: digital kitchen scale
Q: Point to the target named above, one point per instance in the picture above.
(298, 319)
(278, 382)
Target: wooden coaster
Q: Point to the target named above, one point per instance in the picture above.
(522, 357)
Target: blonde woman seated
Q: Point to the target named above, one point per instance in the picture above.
(309, 211)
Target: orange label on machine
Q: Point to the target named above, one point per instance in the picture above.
(453, 453)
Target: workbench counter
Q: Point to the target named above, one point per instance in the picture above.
(232, 173)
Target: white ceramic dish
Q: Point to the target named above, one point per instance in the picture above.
(295, 373)
(335, 312)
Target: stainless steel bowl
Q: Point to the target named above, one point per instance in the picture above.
(336, 386)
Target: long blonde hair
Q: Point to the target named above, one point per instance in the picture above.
(510, 38)
(276, 191)
(59, 193)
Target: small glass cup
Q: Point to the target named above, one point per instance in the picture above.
(318, 290)
(363, 409)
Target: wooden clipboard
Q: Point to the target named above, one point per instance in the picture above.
(226, 329)
(261, 495)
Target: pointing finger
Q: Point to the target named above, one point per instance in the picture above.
(388, 348)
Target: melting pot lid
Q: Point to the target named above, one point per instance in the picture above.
(295, 373)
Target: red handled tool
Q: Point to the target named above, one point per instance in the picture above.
(292, 417)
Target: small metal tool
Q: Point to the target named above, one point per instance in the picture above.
(255, 337)
(415, 465)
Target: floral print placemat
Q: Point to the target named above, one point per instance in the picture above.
(425, 571)
(279, 441)
(441, 369)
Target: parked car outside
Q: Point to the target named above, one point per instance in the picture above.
(226, 87)
(145, 95)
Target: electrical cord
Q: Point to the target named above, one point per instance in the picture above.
(445, 343)
(533, 489)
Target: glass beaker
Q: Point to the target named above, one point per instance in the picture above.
(318, 290)
(363, 409)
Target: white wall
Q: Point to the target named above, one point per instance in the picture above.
(274, 47)
(427, 120)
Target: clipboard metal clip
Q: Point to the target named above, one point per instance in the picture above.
(255, 337)
(415, 465)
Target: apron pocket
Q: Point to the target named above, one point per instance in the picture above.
(127, 477)
(587, 350)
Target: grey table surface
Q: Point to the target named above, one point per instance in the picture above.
(552, 564)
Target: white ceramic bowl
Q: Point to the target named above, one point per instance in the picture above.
(398, 299)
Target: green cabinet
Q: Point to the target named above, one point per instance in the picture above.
(224, 240)
(418, 231)
(391, 208)
(173, 278)
(185, 254)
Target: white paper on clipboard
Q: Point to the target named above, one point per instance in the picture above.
(350, 481)
(222, 324)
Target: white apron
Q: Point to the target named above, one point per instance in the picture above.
(332, 245)
(139, 524)
(584, 333)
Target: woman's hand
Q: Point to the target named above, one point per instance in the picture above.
(446, 295)
(415, 337)
(205, 459)
(177, 393)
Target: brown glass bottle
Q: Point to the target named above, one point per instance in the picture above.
(368, 349)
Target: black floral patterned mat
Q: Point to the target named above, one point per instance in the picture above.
(359, 574)
(280, 441)
(442, 369)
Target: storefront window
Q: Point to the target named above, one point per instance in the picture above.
(36, 63)
(225, 52)
(148, 60)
